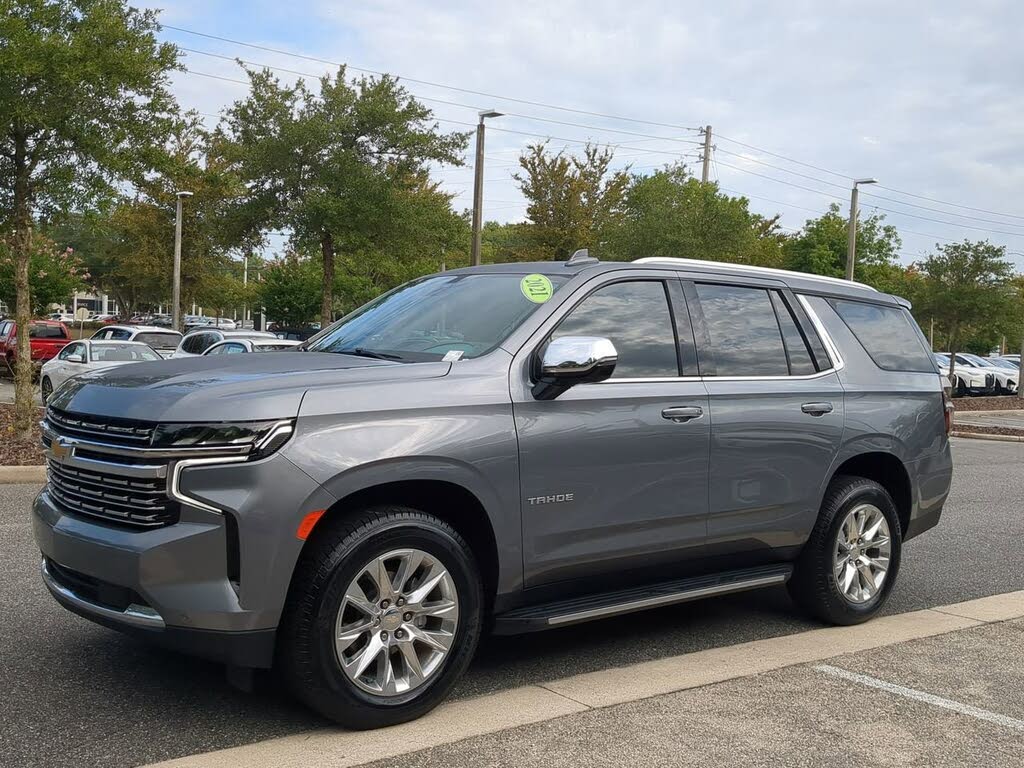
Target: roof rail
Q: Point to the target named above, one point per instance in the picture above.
(582, 256)
(768, 271)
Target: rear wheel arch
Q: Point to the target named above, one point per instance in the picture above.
(886, 469)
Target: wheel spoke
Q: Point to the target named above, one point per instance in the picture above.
(440, 608)
(357, 666)
(352, 633)
(356, 597)
(379, 573)
(406, 568)
(412, 663)
(423, 590)
(848, 576)
(439, 641)
(873, 529)
(867, 578)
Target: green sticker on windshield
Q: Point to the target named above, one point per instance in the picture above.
(537, 288)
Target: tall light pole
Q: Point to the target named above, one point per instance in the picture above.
(478, 187)
(176, 287)
(851, 238)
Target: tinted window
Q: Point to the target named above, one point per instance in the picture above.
(636, 317)
(888, 334)
(800, 362)
(46, 332)
(71, 349)
(159, 340)
(743, 331)
(122, 353)
(199, 343)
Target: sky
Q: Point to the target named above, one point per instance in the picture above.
(802, 97)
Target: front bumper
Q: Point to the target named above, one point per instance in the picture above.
(213, 583)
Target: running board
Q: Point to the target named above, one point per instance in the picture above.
(565, 612)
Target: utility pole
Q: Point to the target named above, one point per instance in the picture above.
(851, 238)
(931, 335)
(478, 188)
(176, 287)
(705, 173)
(245, 282)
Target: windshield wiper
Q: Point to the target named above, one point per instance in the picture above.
(363, 352)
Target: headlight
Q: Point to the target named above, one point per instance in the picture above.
(261, 438)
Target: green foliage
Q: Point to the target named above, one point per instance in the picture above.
(54, 274)
(289, 288)
(573, 202)
(671, 214)
(345, 169)
(820, 248)
(969, 290)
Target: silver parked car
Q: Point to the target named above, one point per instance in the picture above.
(512, 448)
(80, 357)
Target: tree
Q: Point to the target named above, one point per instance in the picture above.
(820, 248)
(966, 286)
(83, 94)
(670, 213)
(338, 168)
(290, 290)
(573, 201)
(54, 274)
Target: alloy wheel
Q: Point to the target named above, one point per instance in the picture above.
(397, 622)
(862, 553)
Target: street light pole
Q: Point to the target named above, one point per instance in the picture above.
(176, 286)
(478, 187)
(851, 238)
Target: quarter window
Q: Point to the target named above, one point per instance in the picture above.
(636, 317)
(742, 330)
(800, 361)
(888, 334)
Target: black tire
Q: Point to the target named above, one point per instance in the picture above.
(45, 389)
(813, 584)
(961, 388)
(306, 651)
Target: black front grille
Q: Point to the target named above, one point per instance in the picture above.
(134, 501)
(138, 434)
(94, 590)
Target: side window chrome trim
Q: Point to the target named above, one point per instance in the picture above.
(830, 346)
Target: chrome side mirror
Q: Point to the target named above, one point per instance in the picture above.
(573, 360)
(75, 359)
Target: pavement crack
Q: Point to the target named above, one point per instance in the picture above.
(559, 693)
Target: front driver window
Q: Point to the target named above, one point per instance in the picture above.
(635, 315)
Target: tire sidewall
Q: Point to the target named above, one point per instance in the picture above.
(336, 690)
(863, 493)
(44, 395)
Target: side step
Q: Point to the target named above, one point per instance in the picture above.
(565, 612)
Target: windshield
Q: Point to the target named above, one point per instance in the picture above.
(978, 362)
(448, 317)
(122, 353)
(942, 360)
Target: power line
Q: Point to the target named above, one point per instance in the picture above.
(445, 86)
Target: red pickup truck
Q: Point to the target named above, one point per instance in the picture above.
(46, 338)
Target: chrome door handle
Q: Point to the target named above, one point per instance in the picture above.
(816, 409)
(682, 413)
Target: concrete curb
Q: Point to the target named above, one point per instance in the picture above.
(988, 436)
(32, 473)
(491, 713)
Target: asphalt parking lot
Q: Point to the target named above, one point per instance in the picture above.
(80, 695)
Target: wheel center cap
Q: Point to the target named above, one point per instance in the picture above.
(391, 620)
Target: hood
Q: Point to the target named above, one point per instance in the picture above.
(248, 387)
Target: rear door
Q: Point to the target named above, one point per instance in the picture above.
(776, 407)
(610, 482)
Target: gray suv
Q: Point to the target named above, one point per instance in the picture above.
(507, 448)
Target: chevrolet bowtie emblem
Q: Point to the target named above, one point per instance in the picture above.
(60, 449)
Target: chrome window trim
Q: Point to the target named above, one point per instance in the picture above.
(830, 346)
(174, 484)
(149, 453)
(747, 269)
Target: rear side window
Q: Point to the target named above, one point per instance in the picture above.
(888, 334)
(800, 361)
(197, 343)
(46, 332)
(159, 340)
(636, 317)
(742, 330)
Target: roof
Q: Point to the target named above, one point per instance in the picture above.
(232, 332)
(140, 328)
(112, 342)
(798, 281)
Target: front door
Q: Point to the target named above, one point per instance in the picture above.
(614, 475)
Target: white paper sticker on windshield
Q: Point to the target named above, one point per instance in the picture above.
(452, 356)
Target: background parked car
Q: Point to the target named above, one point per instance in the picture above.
(163, 340)
(236, 346)
(82, 356)
(1006, 381)
(300, 333)
(198, 340)
(47, 338)
(969, 380)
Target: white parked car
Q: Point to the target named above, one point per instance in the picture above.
(79, 357)
(163, 340)
(1006, 380)
(198, 340)
(236, 346)
(969, 379)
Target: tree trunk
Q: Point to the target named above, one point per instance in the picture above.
(24, 408)
(327, 303)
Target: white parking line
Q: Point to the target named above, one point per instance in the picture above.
(927, 698)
